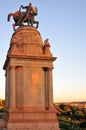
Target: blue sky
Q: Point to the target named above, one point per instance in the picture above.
(64, 23)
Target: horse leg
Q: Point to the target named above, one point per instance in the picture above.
(37, 23)
(28, 21)
(14, 27)
(31, 23)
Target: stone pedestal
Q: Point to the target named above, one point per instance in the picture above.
(29, 95)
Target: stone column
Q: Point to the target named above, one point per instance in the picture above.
(50, 87)
(12, 104)
(46, 87)
(6, 91)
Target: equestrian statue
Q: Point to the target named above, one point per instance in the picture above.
(24, 17)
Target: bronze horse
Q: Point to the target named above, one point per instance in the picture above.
(20, 19)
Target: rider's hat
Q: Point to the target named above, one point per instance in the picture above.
(30, 3)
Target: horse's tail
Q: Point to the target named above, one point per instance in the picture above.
(9, 15)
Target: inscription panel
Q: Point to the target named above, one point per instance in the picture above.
(33, 87)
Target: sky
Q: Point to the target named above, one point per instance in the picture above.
(63, 22)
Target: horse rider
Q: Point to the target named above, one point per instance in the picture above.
(29, 10)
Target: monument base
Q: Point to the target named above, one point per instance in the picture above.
(32, 121)
(32, 126)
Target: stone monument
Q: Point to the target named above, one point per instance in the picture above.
(29, 88)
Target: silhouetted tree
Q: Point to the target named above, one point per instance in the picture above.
(83, 124)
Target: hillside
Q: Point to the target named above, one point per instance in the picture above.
(71, 116)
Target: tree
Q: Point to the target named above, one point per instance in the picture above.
(2, 102)
(79, 115)
(83, 124)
